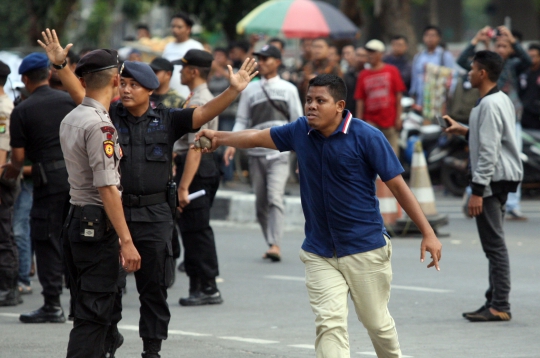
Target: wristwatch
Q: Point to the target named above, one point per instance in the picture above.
(59, 67)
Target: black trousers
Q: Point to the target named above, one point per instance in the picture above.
(200, 256)
(490, 229)
(153, 242)
(93, 265)
(46, 218)
(9, 259)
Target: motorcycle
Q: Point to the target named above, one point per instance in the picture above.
(454, 172)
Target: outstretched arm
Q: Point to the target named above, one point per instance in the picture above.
(239, 82)
(57, 55)
(407, 200)
(249, 138)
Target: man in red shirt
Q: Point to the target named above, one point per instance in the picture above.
(378, 94)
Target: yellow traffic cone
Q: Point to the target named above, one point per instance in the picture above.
(420, 184)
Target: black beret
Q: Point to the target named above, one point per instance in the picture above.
(97, 60)
(161, 64)
(140, 72)
(197, 58)
(4, 69)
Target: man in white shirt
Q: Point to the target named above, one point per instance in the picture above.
(181, 25)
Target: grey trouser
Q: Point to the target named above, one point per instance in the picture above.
(268, 177)
(490, 230)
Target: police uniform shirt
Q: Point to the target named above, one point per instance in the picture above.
(6, 106)
(91, 151)
(147, 143)
(200, 96)
(34, 126)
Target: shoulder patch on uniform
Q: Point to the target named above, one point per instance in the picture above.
(108, 129)
(2, 128)
(108, 147)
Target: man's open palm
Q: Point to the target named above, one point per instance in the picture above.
(56, 54)
(241, 79)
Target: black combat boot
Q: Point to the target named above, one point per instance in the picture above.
(50, 312)
(113, 341)
(207, 294)
(151, 348)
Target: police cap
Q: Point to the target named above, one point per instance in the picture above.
(97, 60)
(197, 58)
(161, 64)
(140, 72)
(4, 69)
(34, 61)
(269, 51)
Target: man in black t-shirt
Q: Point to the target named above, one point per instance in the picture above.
(35, 125)
(530, 91)
(146, 137)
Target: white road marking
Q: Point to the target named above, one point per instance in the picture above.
(397, 287)
(249, 340)
(375, 354)
(286, 278)
(171, 331)
(305, 346)
(10, 314)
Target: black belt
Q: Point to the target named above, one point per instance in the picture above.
(144, 200)
(53, 165)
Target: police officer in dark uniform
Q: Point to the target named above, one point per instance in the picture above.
(34, 133)
(95, 222)
(146, 137)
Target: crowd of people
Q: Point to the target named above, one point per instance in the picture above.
(59, 196)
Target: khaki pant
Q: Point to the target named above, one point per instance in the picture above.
(392, 135)
(367, 277)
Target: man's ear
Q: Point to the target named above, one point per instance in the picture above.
(340, 105)
(50, 74)
(83, 83)
(116, 80)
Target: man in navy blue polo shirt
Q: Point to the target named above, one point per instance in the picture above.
(346, 247)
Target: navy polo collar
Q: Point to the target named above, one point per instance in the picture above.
(344, 125)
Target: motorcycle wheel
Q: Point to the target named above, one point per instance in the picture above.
(454, 181)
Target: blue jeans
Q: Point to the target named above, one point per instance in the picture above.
(21, 230)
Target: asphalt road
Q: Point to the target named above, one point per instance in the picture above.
(266, 311)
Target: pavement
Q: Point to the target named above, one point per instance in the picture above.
(266, 312)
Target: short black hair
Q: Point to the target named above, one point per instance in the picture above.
(3, 80)
(38, 75)
(491, 62)
(100, 79)
(143, 27)
(204, 72)
(335, 84)
(222, 50)
(323, 39)
(184, 16)
(399, 37)
(518, 35)
(432, 27)
(73, 57)
(243, 45)
(277, 39)
(535, 46)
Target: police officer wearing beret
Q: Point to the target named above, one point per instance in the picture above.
(96, 220)
(197, 171)
(146, 137)
(9, 293)
(34, 130)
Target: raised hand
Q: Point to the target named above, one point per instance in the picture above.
(56, 54)
(241, 79)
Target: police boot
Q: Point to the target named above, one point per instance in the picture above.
(113, 341)
(9, 290)
(208, 294)
(151, 348)
(50, 312)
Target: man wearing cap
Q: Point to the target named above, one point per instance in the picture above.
(264, 104)
(146, 138)
(196, 171)
(164, 94)
(378, 94)
(34, 130)
(96, 220)
(9, 293)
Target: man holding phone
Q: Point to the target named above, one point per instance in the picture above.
(496, 170)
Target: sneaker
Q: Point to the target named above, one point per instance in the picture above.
(24, 289)
(516, 215)
(486, 316)
(465, 314)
